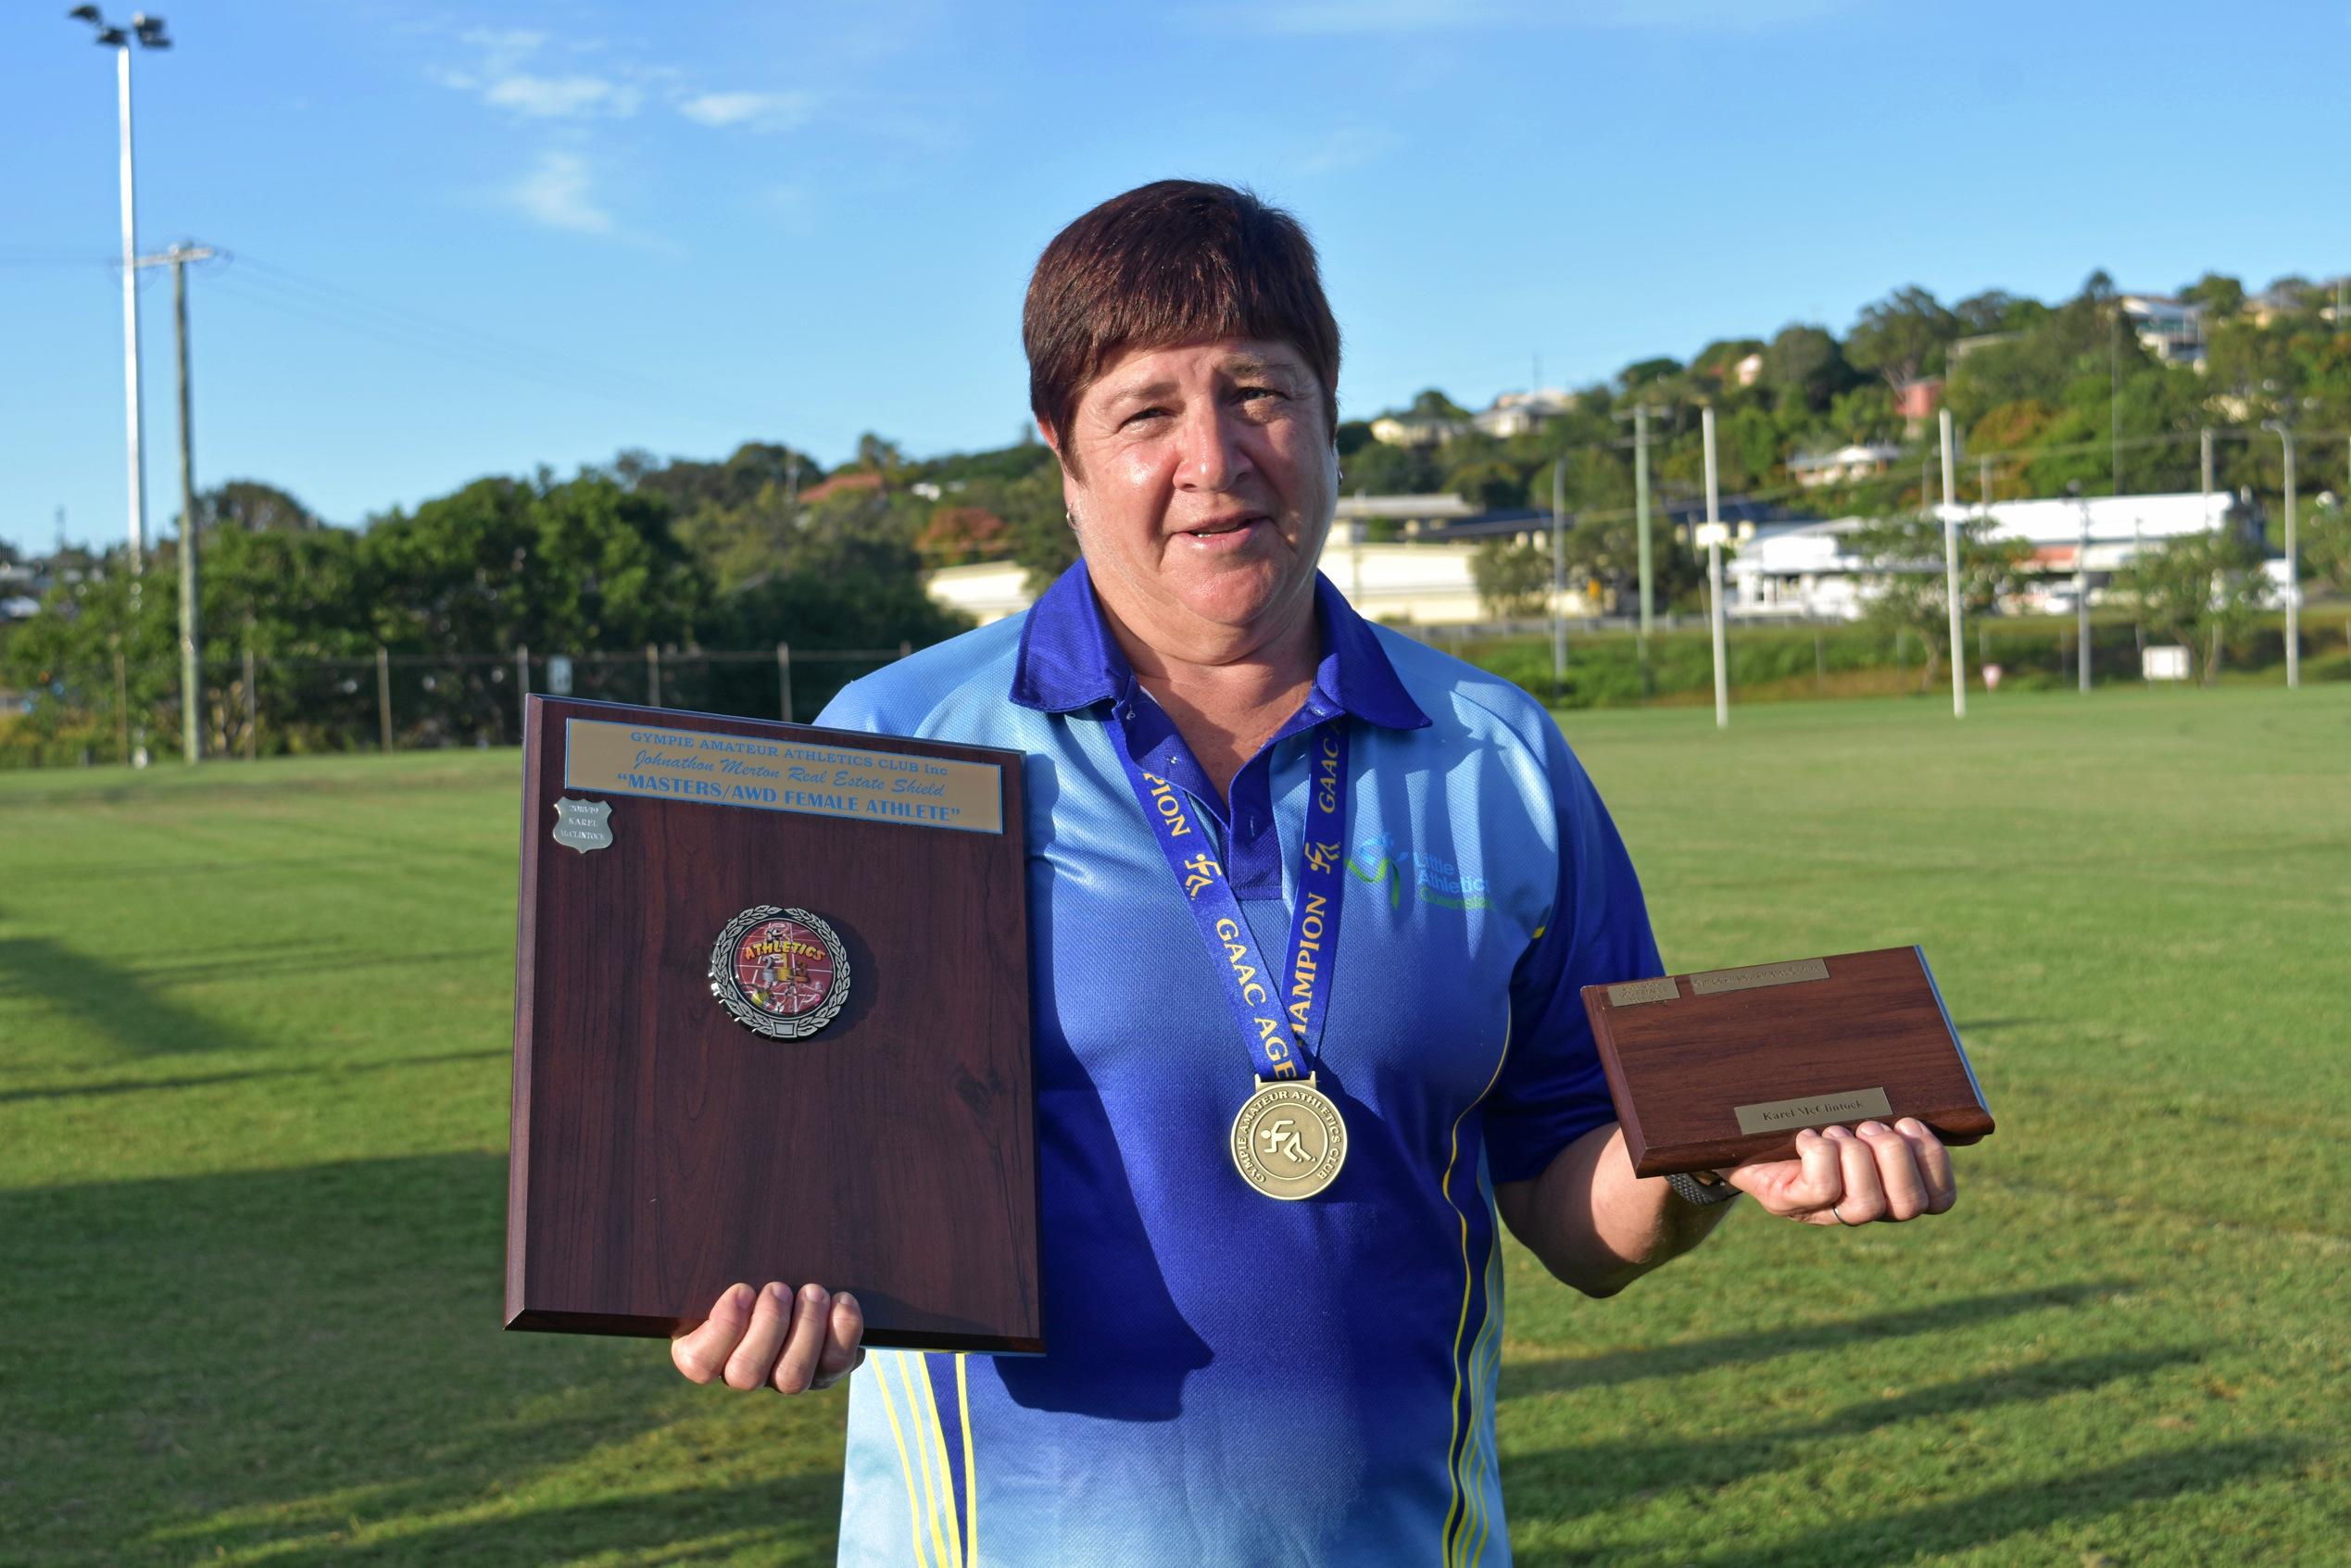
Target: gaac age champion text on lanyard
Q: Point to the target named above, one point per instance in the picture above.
(1289, 1140)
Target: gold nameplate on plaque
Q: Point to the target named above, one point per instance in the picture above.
(1715, 980)
(1817, 1110)
(872, 783)
(1631, 993)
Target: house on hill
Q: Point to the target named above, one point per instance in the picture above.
(1810, 571)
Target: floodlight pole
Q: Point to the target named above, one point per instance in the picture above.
(1951, 571)
(148, 33)
(134, 418)
(1714, 572)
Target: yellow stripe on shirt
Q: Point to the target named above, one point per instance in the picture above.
(1468, 1279)
(906, 1465)
(971, 1469)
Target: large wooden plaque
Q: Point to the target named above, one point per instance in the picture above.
(1710, 1068)
(662, 1149)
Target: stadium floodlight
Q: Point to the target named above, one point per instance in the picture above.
(148, 33)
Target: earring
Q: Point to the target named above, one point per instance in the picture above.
(1069, 516)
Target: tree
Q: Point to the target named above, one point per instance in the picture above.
(2326, 546)
(958, 534)
(1511, 578)
(251, 505)
(1907, 585)
(1431, 404)
(1489, 483)
(1648, 372)
(1996, 311)
(2202, 590)
(1902, 336)
(2221, 297)
(1805, 365)
(879, 455)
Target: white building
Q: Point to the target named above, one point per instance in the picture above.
(2172, 330)
(1404, 583)
(1809, 570)
(1410, 429)
(1516, 413)
(1812, 469)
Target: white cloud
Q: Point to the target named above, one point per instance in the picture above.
(764, 111)
(561, 97)
(558, 193)
(499, 51)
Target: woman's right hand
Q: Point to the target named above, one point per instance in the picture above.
(775, 1339)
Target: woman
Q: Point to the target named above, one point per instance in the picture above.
(1271, 1162)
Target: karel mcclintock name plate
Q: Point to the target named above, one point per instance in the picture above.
(771, 1023)
(1713, 1068)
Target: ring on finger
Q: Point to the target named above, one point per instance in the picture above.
(1836, 1209)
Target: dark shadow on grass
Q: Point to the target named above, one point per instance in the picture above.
(1523, 1377)
(1983, 1518)
(1595, 1478)
(238, 1362)
(110, 997)
(200, 1080)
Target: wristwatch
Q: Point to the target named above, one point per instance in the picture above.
(1702, 1188)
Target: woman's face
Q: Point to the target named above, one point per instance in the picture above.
(1201, 479)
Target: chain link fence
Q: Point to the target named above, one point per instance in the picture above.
(128, 710)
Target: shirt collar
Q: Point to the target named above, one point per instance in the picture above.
(1069, 660)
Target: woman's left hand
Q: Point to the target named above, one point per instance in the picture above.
(1844, 1176)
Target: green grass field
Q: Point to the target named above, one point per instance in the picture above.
(254, 1030)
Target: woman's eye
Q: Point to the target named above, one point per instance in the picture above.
(1141, 415)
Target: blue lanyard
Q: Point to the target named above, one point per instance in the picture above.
(1280, 1014)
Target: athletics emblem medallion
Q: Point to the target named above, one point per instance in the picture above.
(781, 973)
(1289, 1140)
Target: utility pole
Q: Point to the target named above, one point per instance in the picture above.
(2293, 573)
(1558, 579)
(1714, 574)
(2114, 393)
(147, 33)
(191, 677)
(1641, 514)
(2203, 463)
(1950, 571)
(1983, 483)
(2081, 591)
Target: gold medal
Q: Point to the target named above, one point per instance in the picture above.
(1289, 1140)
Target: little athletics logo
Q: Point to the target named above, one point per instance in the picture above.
(1432, 878)
(781, 972)
(1289, 1140)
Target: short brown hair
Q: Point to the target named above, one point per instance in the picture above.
(1175, 261)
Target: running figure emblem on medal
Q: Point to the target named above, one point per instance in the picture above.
(1289, 1140)
(781, 973)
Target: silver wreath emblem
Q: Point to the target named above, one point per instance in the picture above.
(782, 972)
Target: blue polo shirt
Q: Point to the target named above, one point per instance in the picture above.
(1231, 1379)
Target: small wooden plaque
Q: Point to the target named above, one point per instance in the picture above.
(1726, 1065)
(662, 1149)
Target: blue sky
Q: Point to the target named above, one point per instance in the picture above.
(475, 239)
